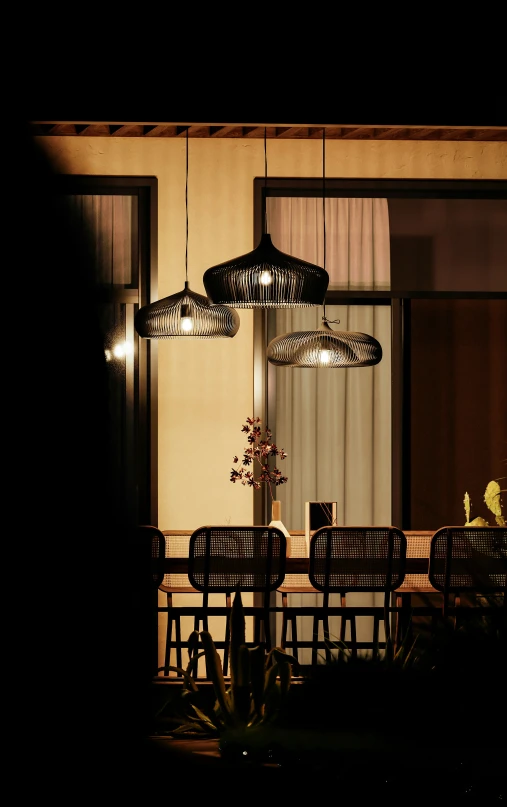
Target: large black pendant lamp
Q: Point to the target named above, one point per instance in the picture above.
(324, 347)
(186, 314)
(266, 277)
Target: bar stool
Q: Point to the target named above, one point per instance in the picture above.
(349, 559)
(222, 559)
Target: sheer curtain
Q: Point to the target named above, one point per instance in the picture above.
(335, 424)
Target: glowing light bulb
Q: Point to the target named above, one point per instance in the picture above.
(266, 278)
(120, 350)
(324, 356)
(187, 324)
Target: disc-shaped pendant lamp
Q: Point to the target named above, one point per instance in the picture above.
(324, 347)
(186, 314)
(266, 277)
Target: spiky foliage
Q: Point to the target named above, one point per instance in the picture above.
(258, 686)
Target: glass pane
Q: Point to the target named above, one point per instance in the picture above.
(448, 244)
(334, 423)
(109, 219)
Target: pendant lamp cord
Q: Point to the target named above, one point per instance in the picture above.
(186, 209)
(324, 318)
(265, 182)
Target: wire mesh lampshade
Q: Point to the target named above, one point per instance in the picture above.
(186, 314)
(266, 278)
(324, 348)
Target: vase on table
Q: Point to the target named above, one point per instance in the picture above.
(276, 521)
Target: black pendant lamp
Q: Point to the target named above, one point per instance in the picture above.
(266, 277)
(324, 347)
(186, 314)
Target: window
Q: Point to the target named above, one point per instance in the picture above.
(446, 302)
(119, 214)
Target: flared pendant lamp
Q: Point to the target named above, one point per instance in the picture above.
(324, 347)
(186, 314)
(266, 277)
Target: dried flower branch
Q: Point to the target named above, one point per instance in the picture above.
(259, 451)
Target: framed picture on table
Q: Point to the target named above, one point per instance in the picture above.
(318, 514)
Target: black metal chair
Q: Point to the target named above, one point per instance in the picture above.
(176, 545)
(350, 559)
(469, 561)
(223, 559)
(294, 585)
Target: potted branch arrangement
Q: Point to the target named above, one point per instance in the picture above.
(259, 452)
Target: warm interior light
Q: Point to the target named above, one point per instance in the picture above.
(119, 351)
(187, 322)
(324, 356)
(266, 278)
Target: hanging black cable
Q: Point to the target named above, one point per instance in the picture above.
(186, 313)
(266, 277)
(324, 347)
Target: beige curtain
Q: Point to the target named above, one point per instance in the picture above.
(335, 424)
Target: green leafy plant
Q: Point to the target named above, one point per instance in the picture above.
(259, 450)
(257, 690)
(492, 498)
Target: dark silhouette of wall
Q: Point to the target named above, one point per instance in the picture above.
(79, 603)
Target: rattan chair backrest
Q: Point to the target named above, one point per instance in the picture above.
(344, 559)
(223, 558)
(469, 558)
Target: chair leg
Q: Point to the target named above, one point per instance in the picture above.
(285, 619)
(315, 640)
(294, 637)
(168, 635)
(343, 627)
(376, 629)
(267, 631)
(227, 642)
(177, 628)
(353, 636)
(325, 627)
(396, 631)
(167, 656)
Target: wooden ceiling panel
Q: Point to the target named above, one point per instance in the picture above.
(278, 131)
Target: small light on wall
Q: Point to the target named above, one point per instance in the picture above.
(119, 351)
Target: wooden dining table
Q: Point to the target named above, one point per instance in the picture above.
(297, 562)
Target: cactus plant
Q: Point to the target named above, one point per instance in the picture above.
(258, 686)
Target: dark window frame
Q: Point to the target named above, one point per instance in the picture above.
(398, 300)
(143, 478)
